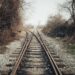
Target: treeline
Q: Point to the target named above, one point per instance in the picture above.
(58, 26)
(9, 17)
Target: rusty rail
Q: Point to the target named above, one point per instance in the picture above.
(54, 65)
(23, 50)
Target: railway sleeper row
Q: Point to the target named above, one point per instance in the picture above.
(35, 61)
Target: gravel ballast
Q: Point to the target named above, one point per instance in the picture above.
(9, 49)
(61, 51)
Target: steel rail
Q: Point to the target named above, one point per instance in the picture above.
(55, 67)
(43, 45)
(23, 50)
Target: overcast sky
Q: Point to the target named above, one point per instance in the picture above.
(39, 11)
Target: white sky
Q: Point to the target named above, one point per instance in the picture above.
(40, 10)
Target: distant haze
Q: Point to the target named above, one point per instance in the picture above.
(39, 11)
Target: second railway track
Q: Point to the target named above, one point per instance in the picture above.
(34, 59)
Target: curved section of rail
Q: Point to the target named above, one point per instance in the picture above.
(25, 46)
(23, 50)
(55, 67)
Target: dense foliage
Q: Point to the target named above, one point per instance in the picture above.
(10, 20)
(9, 13)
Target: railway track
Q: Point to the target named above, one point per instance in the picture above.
(34, 58)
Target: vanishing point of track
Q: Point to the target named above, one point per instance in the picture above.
(34, 58)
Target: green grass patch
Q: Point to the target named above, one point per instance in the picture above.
(71, 49)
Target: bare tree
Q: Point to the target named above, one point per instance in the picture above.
(69, 6)
(53, 23)
(73, 10)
